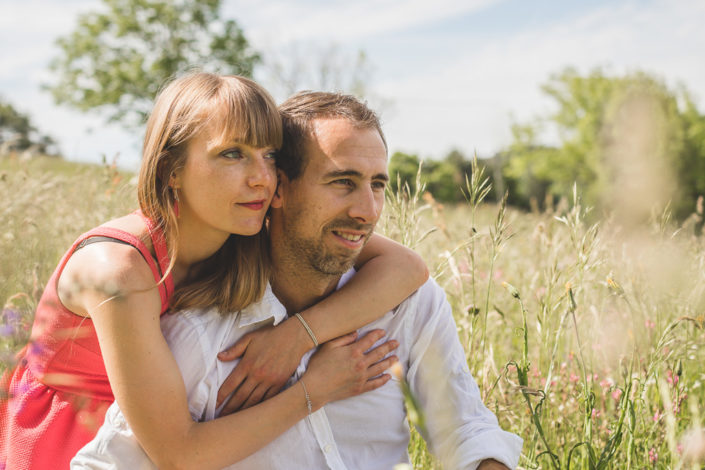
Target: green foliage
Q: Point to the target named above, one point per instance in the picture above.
(118, 58)
(615, 133)
(443, 179)
(17, 132)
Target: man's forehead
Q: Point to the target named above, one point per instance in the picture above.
(340, 144)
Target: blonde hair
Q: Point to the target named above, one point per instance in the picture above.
(237, 274)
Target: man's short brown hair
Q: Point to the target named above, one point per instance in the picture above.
(298, 114)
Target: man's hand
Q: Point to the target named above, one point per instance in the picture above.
(270, 356)
(491, 464)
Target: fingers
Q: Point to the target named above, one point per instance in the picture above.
(255, 397)
(232, 382)
(378, 353)
(236, 350)
(343, 340)
(376, 382)
(271, 392)
(378, 368)
(370, 338)
(239, 398)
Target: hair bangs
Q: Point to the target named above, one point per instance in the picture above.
(247, 114)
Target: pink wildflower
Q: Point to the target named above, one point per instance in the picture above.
(653, 455)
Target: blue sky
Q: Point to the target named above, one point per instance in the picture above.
(449, 73)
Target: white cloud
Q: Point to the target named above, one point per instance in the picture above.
(469, 102)
(281, 22)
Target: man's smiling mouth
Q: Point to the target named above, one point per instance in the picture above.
(348, 236)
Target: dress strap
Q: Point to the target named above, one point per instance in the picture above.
(130, 239)
(160, 249)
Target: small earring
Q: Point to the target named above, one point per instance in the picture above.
(176, 202)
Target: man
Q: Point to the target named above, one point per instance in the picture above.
(330, 196)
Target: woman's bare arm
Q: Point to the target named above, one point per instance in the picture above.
(113, 286)
(388, 273)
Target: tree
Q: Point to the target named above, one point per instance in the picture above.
(629, 142)
(117, 59)
(304, 65)
(403, 168)
(17, 132)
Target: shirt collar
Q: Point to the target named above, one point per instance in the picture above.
(268, 307)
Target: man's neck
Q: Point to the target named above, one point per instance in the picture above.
(298, 287)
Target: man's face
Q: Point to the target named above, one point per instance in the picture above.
(330, 211)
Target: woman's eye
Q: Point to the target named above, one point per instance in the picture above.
(233, 154)
(271, 156)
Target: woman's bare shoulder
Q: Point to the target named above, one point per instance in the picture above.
(106, 268)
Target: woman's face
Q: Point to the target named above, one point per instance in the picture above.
(225, 187)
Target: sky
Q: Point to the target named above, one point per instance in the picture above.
(447, 74)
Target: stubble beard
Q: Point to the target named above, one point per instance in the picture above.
(319, 256)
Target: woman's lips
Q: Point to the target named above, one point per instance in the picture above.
(253, 205)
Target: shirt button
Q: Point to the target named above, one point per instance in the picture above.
(327, 448)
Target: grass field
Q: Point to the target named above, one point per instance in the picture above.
(585, 337)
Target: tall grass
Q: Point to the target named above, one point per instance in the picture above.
(586, 337)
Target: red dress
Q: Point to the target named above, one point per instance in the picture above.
(59, 391)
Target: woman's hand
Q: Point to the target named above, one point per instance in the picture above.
(345, 367)
(269, 356)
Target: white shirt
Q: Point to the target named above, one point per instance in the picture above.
(369, 431)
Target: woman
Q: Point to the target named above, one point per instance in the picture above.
(207, 177)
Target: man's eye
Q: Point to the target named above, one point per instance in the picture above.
(379, 185)
(233, 154)
(344, 182)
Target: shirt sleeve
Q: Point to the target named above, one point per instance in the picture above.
(462, 432)
(187, 336)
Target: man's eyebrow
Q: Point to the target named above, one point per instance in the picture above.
(354, 173)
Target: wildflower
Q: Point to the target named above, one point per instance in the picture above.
(397, 370)
(653, 455)
(614, 286)
(670, 378)
(657, 416)
(512, 290)
(472, 309)
(574, 378)
(617, 394)
(649, 324)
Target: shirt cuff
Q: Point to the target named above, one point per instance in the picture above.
(496, 444)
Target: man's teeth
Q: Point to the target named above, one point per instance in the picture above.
(349, 236)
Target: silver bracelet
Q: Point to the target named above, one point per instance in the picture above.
(308, 398)
(308, 329)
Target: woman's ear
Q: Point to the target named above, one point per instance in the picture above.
(174, 180)
(282, 183)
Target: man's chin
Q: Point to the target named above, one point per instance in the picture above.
(335, 265)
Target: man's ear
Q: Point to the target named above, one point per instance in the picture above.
(282, 185)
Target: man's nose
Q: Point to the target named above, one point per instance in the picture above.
(366, 206)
